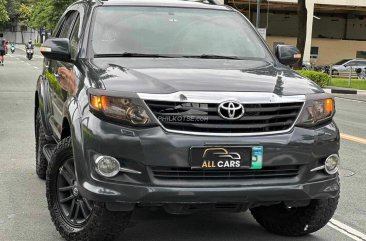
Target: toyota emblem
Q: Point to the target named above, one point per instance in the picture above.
(231, 110)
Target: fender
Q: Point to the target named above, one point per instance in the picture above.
(73, 117)
(43, 100)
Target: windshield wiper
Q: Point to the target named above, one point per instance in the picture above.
(210, 56)
(135, 55)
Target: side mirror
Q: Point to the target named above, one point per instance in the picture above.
(57, 49)
(287, 54)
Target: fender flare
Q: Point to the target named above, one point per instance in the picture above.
(40, 104)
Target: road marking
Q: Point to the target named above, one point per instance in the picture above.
(353, 138)
(35, 67)
(347, 230)
(353, 100)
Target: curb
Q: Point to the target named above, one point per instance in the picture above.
(334, 90)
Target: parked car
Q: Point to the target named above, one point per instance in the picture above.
(345, 66)
(182, 105)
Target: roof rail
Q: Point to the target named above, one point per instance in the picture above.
(213, 2)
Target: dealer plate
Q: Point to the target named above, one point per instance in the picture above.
(226, 157)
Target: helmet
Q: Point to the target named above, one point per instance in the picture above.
(30, 41)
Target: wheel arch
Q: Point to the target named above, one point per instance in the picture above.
(39, 103)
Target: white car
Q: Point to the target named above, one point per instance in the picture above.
(345, 66)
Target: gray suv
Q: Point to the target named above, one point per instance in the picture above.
(181, 105)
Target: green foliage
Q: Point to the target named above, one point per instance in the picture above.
(46, 13)
(12, 6)
(25, 13)
(322, 79)
(37, 44)
(4, 17)
(33, 13)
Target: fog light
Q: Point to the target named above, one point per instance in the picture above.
(107, 166)
(331, 164)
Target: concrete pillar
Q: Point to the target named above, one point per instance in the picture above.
(309, 30)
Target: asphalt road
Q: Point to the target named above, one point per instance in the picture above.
(23, 210)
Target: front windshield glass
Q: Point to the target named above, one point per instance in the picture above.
(179, 32)
(343, 61)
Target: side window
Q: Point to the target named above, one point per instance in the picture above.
(58, 28)
(352, 63)
(74, 38)
(67, 26)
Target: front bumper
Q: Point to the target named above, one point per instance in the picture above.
(141, 149)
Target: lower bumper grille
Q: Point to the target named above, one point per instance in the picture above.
(170, 173)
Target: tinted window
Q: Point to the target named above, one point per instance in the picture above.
(68, 24)
(174, 31)
(361, 63)
(352, 63)
(343, 61)
(74, 39)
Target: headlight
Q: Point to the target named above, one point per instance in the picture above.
(318, 111)
(119, 109)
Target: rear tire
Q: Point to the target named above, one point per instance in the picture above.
(70, 218)
(41, 161)
(296, 221)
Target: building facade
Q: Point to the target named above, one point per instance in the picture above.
(336, 29)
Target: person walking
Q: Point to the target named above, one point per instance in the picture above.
(2, 52)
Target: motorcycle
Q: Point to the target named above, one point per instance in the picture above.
(30, 54)
(12, 49)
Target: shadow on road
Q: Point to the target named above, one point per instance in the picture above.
(157, 225)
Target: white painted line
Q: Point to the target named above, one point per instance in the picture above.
(35, 67)
(353, 100)
(347, 230)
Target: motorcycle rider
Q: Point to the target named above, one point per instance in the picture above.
(12, 47)
(2, 52)
(29, 45)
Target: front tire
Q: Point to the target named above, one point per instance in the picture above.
(296, 221)
(75, 217)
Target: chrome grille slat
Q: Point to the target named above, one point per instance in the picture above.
(258, 118)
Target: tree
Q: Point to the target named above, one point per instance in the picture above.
(4, 17)
(302, 14)
(46, 13)
(25, 13)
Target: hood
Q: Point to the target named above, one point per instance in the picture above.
(163, 76)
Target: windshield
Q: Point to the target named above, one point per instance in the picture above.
(175, 32)
(343, 61)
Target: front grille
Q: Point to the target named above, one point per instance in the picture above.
(200, 117)
(172, 173)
